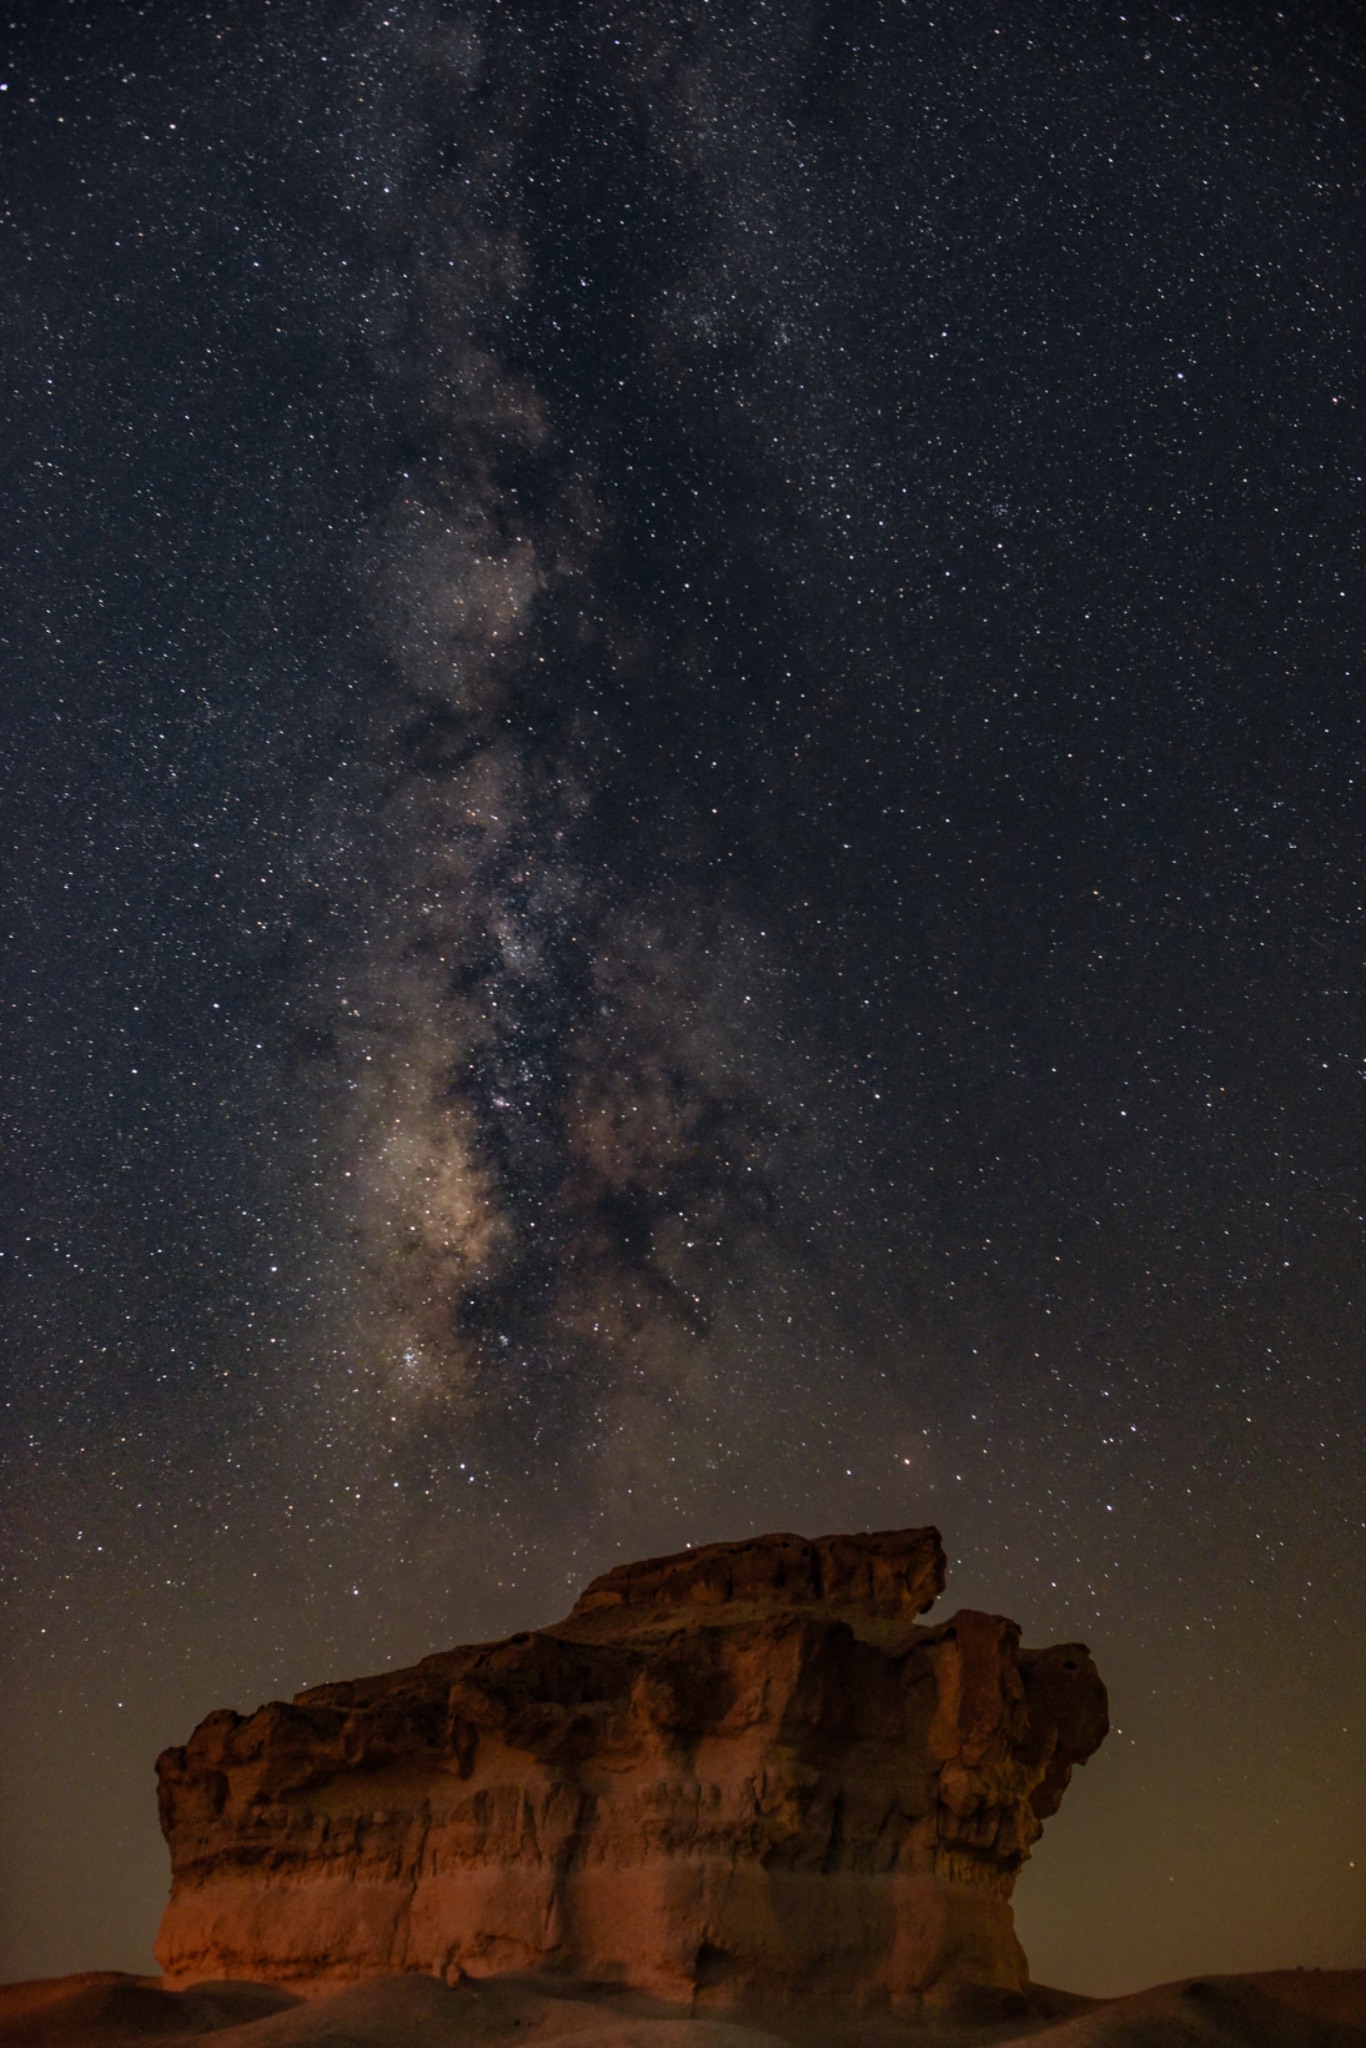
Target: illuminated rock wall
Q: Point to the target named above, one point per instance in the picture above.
(737, 1777)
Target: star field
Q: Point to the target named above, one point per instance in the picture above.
(683, 821)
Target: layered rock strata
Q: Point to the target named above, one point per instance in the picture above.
(738, 1777)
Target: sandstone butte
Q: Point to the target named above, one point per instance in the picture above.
(739, 1778)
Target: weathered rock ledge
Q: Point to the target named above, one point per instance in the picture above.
(737, 1777)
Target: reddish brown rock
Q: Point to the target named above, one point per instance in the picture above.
(736, 1777)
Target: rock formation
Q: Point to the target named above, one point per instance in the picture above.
(738, 1777)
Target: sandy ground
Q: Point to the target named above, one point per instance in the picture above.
(103, 2009)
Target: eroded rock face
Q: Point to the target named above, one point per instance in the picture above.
(737, 1777)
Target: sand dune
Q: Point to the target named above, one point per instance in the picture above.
(1270, 2009)
(107, 2006)
(104, 2009)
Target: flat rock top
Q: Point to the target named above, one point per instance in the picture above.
(877, 1583)
(893, 1576)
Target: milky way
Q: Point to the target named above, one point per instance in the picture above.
(540, 1063)
(684, 825)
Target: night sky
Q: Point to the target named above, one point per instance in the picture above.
(681, 796)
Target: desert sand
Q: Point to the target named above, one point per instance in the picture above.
(104, 2009)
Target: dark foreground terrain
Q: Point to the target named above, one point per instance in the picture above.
(105, 2009)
